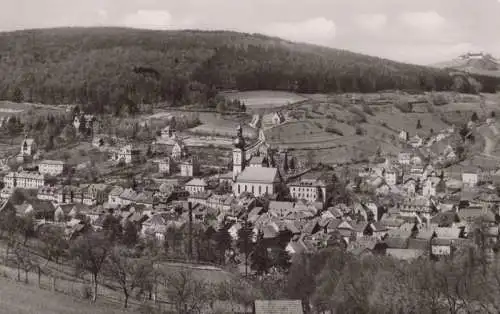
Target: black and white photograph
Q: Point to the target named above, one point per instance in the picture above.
(249, 157)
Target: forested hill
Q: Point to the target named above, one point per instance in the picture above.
(109, 67)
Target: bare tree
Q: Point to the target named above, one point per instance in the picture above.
(128, 272)
(23, 260)
(188, 294)
(54, 247)
(89, 253)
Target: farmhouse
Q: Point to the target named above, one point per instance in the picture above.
(51, 167)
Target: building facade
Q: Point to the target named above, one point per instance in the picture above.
(51, 167)
(24, 180)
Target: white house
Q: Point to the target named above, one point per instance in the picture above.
(404, 136)
(196, 186)
(51, 167)
(24, 180)
(470, 176)
(404, 158)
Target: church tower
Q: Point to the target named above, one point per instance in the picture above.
(239, 157)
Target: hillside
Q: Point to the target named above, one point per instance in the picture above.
(474, 63)
(112, 68)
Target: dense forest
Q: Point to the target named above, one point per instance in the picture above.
(111, 69)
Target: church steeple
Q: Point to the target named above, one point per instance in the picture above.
(238, 153)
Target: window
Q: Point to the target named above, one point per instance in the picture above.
(260, 190)
(239, 190)
(267, 192)
(245, 188)
(253, 190)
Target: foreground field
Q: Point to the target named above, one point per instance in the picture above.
(21, 298)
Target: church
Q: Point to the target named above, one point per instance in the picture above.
(257, 179)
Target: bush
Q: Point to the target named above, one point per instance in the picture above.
(360, 130)
(360, 114)
(334, 130)
(404, 106)
(439, 100)
(368, 110)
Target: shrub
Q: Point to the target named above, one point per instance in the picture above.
(404, 106)
(334, 130)
(360, 130)
(360, 114)
(368, 110)
(439, 100)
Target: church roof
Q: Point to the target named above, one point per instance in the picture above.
(258, 175)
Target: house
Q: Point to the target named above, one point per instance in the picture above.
(258, 161)
(278, 307)
(95, 194)
(190, 167)
(404, 158)
(392, 177)
(404, 136)
(114, 196)
(157, 225)
(432, 186)
(52, 167)
(127, 154)
(257, 180)
(196, 186)
(24, 180)
(165, 165)
(418, 206)
(416, 141)
(470, 176)
(314, 187)
(278, 118)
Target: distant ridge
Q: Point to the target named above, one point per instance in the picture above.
(479, 63)
(114, 69)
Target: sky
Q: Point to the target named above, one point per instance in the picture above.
(414, 31)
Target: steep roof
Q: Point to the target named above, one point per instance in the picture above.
(278, 307)
(259, 175)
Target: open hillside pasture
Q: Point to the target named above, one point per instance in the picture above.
(255, 100)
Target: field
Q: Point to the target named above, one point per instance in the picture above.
(8, 108)
(265, 99)
(21, 298)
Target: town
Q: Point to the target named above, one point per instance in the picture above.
(264, 208)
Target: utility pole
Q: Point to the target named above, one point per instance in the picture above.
(190, 230)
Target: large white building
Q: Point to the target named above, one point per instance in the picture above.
(24, 180)
(257, 180)
(311, 190)
(51, 167)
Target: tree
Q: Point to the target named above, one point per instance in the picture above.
(188, 294)
(54, 246)
(112, 227)
(26, 227)
(17, 95)
(130, 234)
(128, 272)
(419, 124)
(223, 243)
(260, 261)
(23, 260)
(474, 117)
(245, 242)
(493, 114)
(89, 253)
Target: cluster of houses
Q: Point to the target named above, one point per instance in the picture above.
(419, 207)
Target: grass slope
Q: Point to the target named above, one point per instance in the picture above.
(25, 299)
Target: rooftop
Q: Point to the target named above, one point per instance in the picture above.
(259, 175)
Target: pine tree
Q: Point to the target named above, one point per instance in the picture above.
(244, 242)
(223, 240)
(419, 124)
(474, 117)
